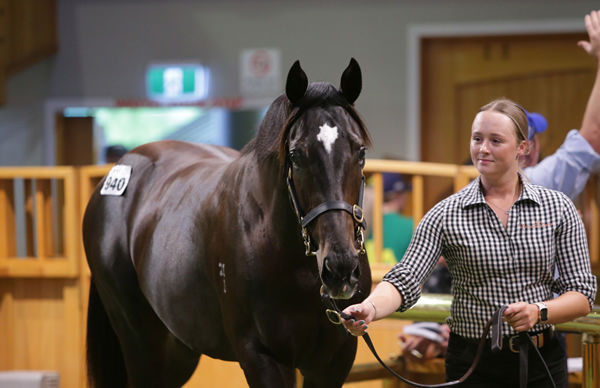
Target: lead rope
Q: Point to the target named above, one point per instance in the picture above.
(495, 323)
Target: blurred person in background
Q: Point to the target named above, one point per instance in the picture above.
(113, 153)
(397, 228)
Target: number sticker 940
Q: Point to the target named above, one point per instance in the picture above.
(116, 181)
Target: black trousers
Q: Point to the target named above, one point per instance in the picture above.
(502, 369)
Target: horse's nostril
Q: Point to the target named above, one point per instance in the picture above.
(327, 272)
(356, 273)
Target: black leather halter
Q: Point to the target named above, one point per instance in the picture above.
(305, 219)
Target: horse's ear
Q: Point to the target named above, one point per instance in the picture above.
(351, 84)
(296, 83)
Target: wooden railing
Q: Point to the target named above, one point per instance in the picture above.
(48, 219)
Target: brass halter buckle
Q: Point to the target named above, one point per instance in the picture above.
(306, 238)
(333, 316)
(357, 214)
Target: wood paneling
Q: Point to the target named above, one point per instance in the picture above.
(32, 32)
(75, 141)
(28, 34)
(41, 327)
(3, 48)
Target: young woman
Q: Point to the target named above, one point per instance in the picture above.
(501, 238)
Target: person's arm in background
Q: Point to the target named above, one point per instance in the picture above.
(590, 127)
(569, 168)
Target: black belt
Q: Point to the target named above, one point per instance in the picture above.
(519, 344)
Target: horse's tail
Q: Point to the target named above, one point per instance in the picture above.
(105, 363)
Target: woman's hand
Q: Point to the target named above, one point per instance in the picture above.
(521, 316)
(363, 314)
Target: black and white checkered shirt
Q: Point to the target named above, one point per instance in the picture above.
(492, 265)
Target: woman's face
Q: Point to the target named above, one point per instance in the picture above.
(495, 149)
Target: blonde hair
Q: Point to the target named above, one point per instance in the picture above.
(513, 111)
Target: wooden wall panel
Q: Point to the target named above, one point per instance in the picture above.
(75, 141)
(3, 48)
(32, 32)
(28, 34)
(41, 327)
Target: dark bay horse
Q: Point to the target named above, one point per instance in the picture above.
(210, 251)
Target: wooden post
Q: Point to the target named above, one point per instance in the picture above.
(593, 218)
(590, 349)
(7, 220)
(378, 216)
(43, 219)
(29, 219)
(418, 194)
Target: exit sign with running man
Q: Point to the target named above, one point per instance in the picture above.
(176, 83)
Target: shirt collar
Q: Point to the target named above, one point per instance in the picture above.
(473, 195)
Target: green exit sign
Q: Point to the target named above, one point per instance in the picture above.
(174, 83)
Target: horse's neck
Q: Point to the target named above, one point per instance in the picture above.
(263, 185)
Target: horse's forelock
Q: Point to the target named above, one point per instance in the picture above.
(320, 94)
(273, 132)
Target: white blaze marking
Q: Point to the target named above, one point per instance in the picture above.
(327, 136)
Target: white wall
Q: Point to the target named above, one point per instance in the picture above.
(106, 45)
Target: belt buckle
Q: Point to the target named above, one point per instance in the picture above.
(539, 340)
(512, 344)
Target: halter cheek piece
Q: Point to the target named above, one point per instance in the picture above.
(304, 220)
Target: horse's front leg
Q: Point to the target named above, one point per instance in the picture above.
(334, 373)
(262, 370)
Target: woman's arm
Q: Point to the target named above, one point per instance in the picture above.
(401, 285)
(570, 305)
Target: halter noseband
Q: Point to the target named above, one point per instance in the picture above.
(304, 219)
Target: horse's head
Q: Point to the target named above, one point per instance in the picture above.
(322, 149)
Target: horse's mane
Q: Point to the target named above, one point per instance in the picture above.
(270, 141)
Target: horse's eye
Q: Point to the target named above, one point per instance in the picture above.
(294, 156)
(362, 155)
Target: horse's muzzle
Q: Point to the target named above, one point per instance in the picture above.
(340, 281)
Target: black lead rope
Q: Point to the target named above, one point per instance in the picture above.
(495, 323)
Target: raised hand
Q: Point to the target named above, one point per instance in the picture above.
(592, 25)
